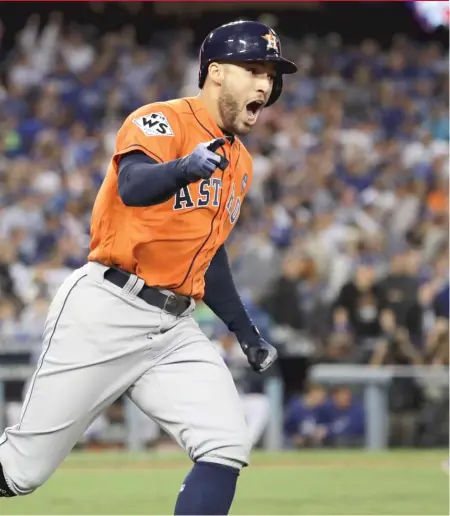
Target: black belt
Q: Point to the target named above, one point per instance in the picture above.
(173, 304)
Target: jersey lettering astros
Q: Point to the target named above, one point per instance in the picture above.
(170, 245)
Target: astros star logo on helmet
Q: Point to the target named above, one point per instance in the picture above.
(272, 41)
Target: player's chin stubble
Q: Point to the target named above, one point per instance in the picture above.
(229, 113)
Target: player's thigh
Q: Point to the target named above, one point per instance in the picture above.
(191, 394)
(86, 361)
(82, 369)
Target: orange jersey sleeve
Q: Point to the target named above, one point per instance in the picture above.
(154, 129)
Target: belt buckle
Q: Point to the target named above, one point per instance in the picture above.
(171, 302)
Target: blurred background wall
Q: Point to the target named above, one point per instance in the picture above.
(341, 249)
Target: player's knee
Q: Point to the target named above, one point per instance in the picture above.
(232, 451)
(26, 482)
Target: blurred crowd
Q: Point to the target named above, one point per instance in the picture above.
(341, 249)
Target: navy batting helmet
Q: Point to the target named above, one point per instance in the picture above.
(245, 41)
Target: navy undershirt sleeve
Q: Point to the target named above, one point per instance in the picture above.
(145, 182)
(223, 299)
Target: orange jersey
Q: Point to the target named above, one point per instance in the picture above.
(170, 245)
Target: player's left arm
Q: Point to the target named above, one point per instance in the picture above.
(222, 297)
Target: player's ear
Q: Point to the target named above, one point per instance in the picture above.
(216, 72)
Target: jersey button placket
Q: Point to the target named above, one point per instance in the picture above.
(223, 215)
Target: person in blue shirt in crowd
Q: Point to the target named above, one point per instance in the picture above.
(317, 420)
(305, 418)
(345, 419)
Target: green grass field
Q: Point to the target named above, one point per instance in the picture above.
(344, 482)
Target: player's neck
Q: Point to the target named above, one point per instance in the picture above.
(212, 106)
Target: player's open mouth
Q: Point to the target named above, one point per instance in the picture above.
(253, 109)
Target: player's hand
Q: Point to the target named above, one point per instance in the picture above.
(260, 354)
(204, 160)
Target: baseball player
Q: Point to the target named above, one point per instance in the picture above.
(122, 324)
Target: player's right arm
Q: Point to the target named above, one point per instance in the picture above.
(150, 171)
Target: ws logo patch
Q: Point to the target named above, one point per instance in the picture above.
(209, 194)
(154, 124)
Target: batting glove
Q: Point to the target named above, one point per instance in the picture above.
(204, 160)
(260, 354)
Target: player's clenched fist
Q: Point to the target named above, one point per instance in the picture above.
(260, 354)
(204, 160)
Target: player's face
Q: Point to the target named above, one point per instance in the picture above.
(245, 90)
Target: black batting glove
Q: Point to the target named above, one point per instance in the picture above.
(260, 354)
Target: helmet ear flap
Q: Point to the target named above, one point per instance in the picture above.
(276, 89)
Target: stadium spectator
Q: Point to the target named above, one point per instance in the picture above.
(358, 308)
(399, 293)
(345, 419)
(306, 417)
